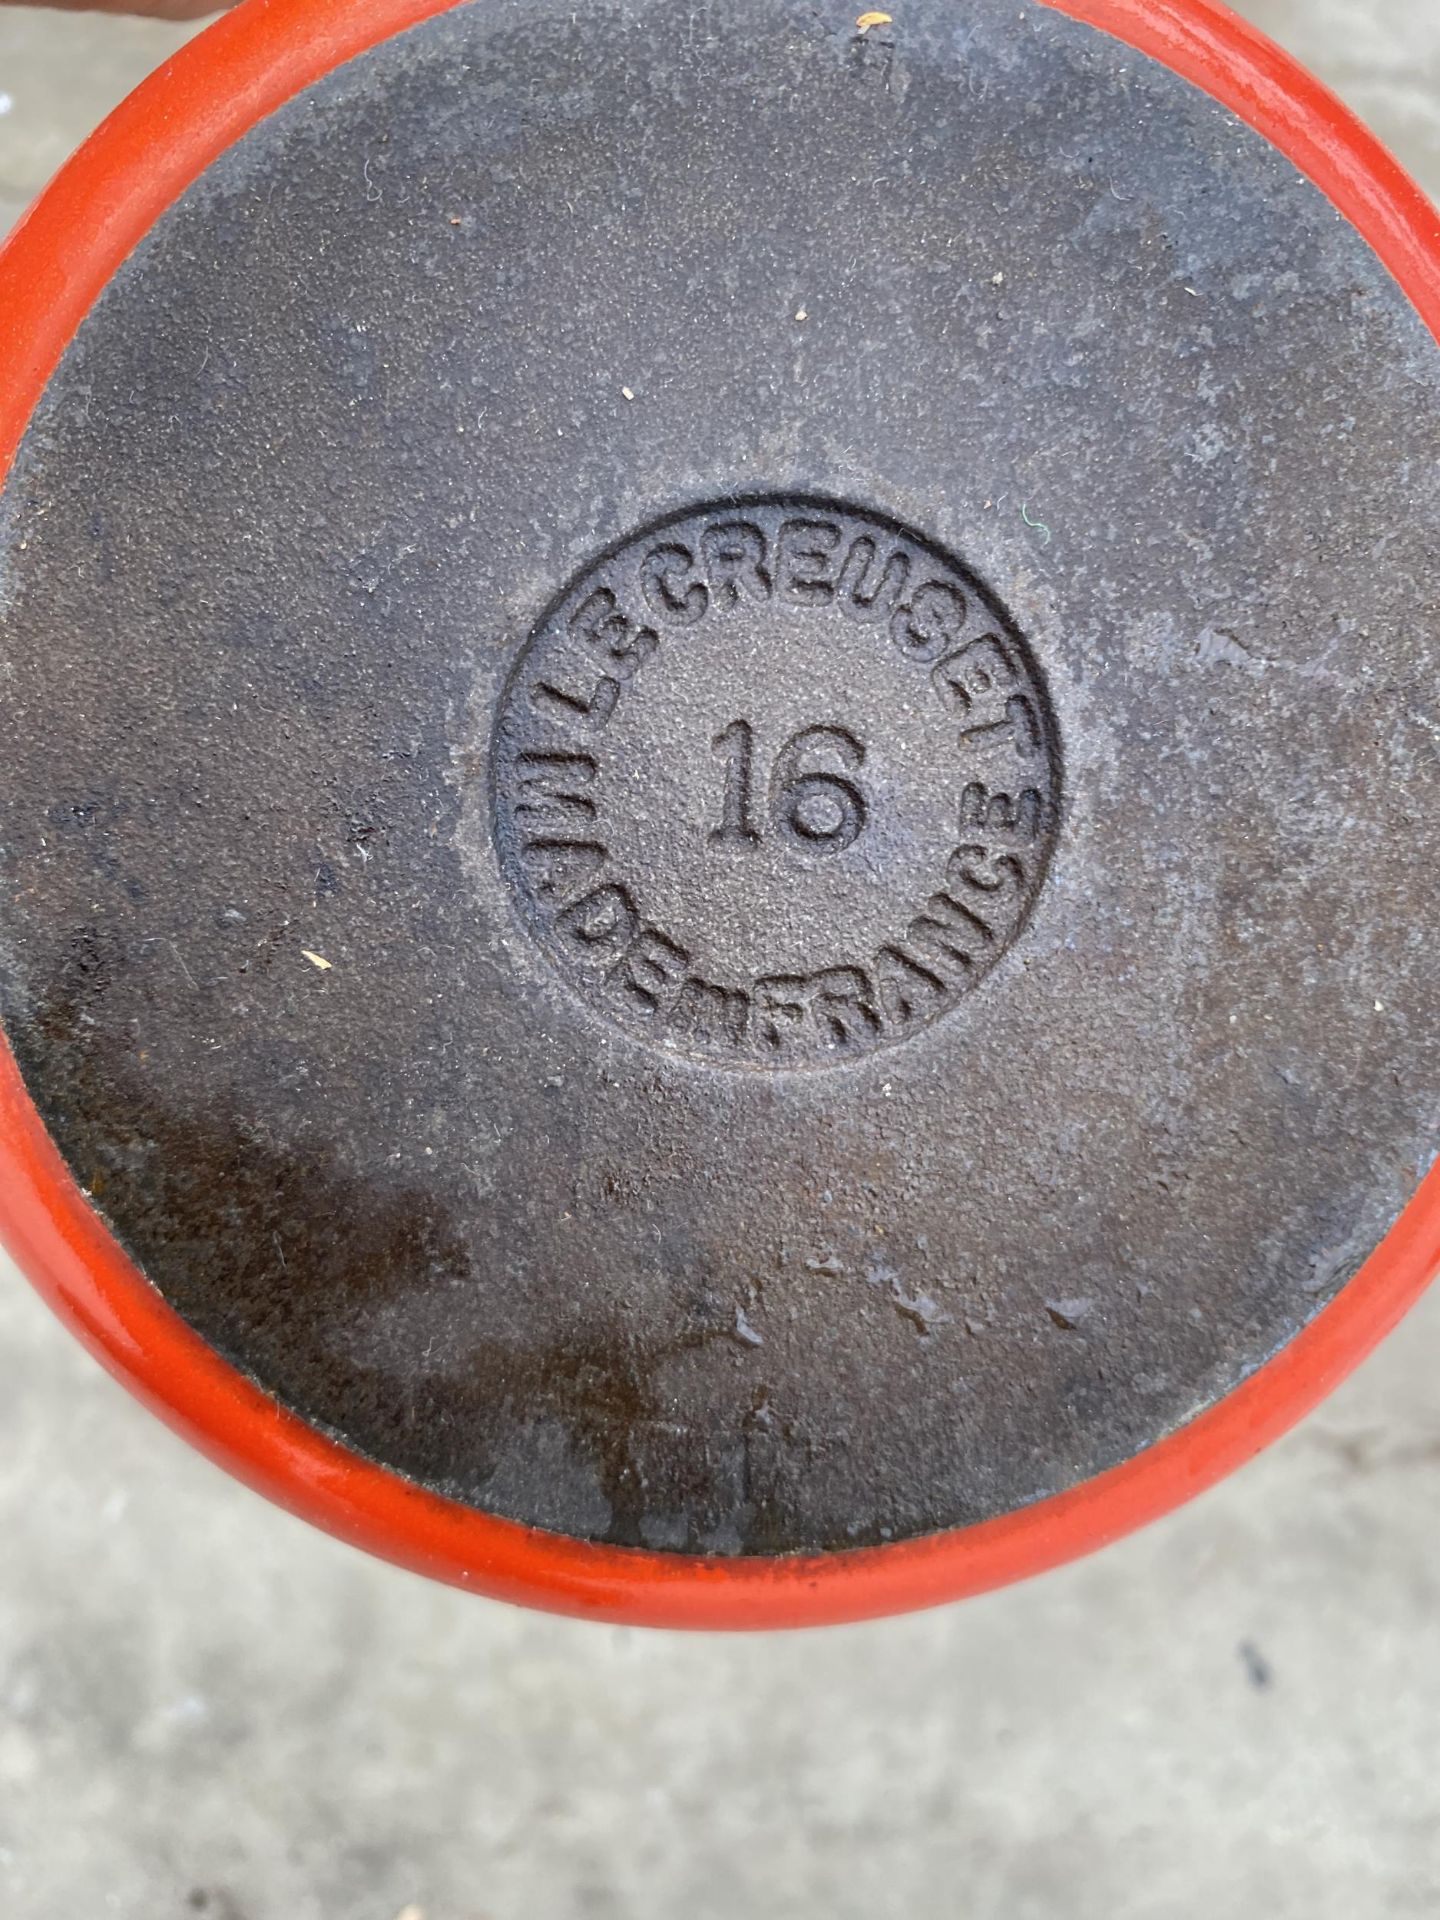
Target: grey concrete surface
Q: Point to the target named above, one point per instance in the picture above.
(208, 1709)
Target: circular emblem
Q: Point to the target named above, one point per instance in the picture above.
(775, 783)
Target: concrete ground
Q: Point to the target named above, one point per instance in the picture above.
(208, 1710)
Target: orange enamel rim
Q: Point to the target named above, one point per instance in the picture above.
(51, 272)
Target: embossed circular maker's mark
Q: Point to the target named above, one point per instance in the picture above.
(775, 783)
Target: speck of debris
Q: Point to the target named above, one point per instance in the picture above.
(317, 960)
(997, 279)
(627, 393)
(1038, 525)
(1217, 646)
(744, 1332)
(801, 314)
(828, 1265)
(869, 20)
(1258, 1670)
(925, 1313)
(1067, 1314)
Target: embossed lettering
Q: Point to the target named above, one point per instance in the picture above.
(1017, 818)
(623, 646)
(820, 811)
(558, 869)
(930, 622)
(737, 745)
(806, 549)
(1019, 729)
(592, 711)
(668, 590)
(725, 783)
(949, 933)
(987, 872)
(707, 1012)
(907, 990)
(554, 788)
(601, 925)
(735, 562)
(973, 672)
(868, 593)
(652, 970)
(780, 1009)
(844, 1005)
